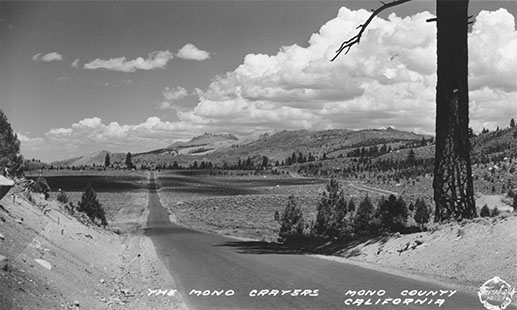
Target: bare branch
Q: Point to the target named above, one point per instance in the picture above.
(355, 40)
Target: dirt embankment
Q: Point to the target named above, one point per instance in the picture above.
(55, 262)
(466, 254)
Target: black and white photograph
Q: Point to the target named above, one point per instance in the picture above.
(258, 154)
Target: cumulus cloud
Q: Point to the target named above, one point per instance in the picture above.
(191, 52)
(492, 49)
(154, 60)
(389, 79)
(147, 135)
(171, 96)
(75, 64)
(47, 57)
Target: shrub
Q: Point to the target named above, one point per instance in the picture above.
(514, 203)
(485, 211)
(40, 186)
(495, 212)
(91, 206)
(62, 197)
(292, 222)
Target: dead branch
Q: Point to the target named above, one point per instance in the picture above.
(355, 40)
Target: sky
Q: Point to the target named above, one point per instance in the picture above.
(78, 77)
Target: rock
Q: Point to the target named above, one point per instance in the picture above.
(3, 262)
(126, 292)
(2, 237)
(76, 303)
(102, 281)
(44, 263)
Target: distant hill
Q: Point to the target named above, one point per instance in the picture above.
(96, 159)
(275, 145)
(499, 143)
(330, 144)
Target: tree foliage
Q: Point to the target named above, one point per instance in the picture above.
(422, 214)
(485, 211)
(393, 214)
(9, 147)
(40, 186)
(62, 197)
(331, 221)
(91, 206)
(128, 162)
(107, 161)
(292, 223)
(364, 217)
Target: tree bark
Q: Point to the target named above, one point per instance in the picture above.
(453, 188)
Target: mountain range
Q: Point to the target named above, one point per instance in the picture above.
(335, 143)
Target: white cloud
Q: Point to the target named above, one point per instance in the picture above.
(191, 52)
(26, 139)
(48, 57)
(75, 64)
(171, 96)
(155, 60)
(144, 136)
(389, 79)
(492, 47)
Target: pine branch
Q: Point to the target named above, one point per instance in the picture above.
(355, 40)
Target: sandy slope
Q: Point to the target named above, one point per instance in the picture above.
(55, 262)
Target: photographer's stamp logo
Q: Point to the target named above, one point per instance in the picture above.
(496, 294)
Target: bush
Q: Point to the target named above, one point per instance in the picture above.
(495, 212)
(485, 211)
(514, 203)
(292, 222)
(62, 197)
(40, 186)
(91, 206)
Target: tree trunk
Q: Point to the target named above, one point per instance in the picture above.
(453, 188)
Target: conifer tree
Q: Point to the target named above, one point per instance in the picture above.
(364, 216)
(485, 211)
(332, 209)
(9, 147)
(421, 212)
(107, 162)
(292, 222)
(393, 214)
(128, 162)
(91, 206)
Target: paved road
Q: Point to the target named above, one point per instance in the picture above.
(207, 263)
